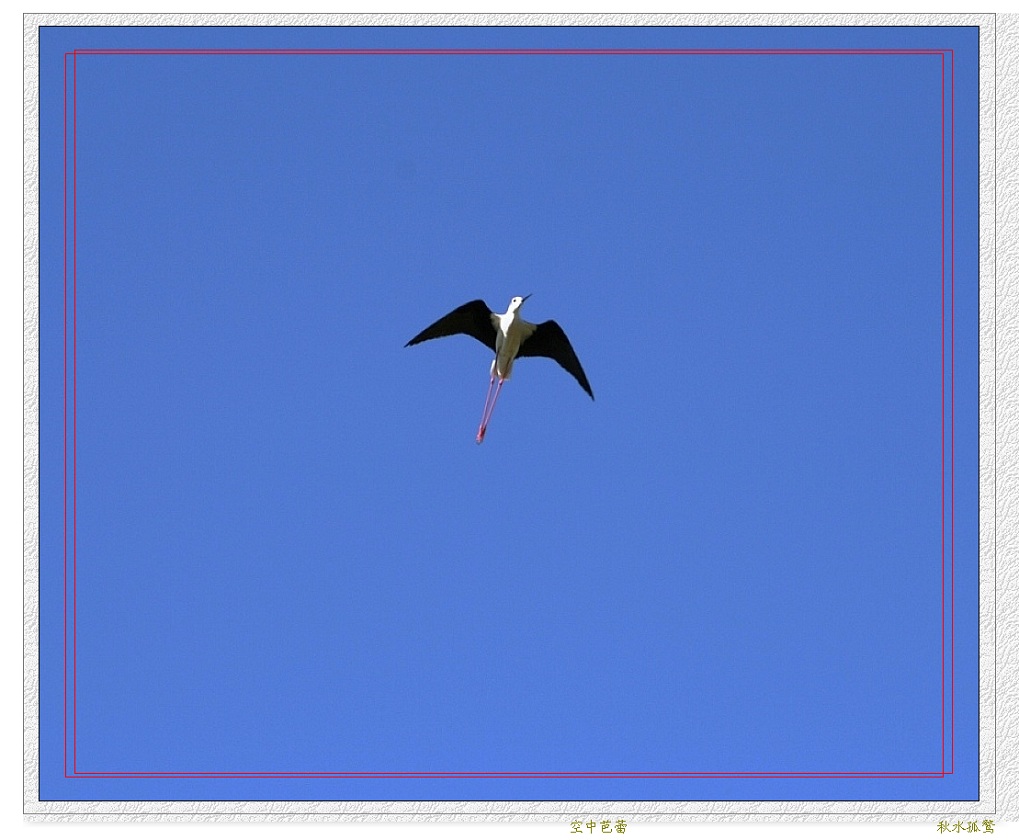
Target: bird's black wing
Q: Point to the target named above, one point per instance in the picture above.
(473, 319)
(548, 339)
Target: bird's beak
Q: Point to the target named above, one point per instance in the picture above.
(525, 297)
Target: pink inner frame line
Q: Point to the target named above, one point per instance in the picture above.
(934, 774)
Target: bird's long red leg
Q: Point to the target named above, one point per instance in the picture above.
(489, 408)
(484, 412)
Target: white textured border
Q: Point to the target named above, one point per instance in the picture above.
(999, 415)
(999, 495)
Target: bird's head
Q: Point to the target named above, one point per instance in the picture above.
(517, 302)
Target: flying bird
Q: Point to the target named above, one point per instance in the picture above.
(509, 336)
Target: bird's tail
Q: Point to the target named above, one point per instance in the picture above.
(503, 371)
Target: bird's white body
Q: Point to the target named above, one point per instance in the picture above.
(510, 332)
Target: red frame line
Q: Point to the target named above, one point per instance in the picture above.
(74, 413)
(942, 412)
(75, 773)
(505, 52)
(64, 358)
(952, 401)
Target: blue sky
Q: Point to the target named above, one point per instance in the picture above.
(290, 554)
